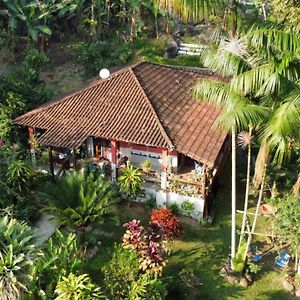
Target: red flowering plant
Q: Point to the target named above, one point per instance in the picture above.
(167, 222)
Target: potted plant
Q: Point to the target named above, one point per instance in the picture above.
(146, 166)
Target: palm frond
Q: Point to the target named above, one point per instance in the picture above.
(229, 59)
(250, 82)
(283, 127)
(274, 38)
(237, 111)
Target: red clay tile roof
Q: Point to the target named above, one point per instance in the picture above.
(145, 104)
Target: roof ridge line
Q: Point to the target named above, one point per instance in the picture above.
(183, 68)
(162, 129)
(65, 98)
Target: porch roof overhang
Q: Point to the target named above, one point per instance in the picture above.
(63, 139)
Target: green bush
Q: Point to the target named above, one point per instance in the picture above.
(96, 55)
(123, 279)
(18, 254)
(61, 256)
(120, 272)
(174, 209)
(78, 199)
(78, 287)
(187, 208)
(238, 262)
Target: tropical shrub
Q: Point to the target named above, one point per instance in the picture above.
(96, 55)
(18, 175)
(152, 261)
(120, 272)
(238, 261)
(131, 182)
(187, 208)
(18, 254)
(79, 200)
(78, 287)
(61, 256)
(174, 208)
(146, 287)
(148, 245)
(123, 278)
(134, 237)
(287, 222)
(146, 165)
(167, 221)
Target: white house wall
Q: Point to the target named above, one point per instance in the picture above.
(137, 157)
(166, 199)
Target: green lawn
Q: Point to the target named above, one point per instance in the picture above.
(200, 250)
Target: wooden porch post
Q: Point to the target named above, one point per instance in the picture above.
(163, 176)
(113, 160)
(205, 198)
(51, 161)
(31, 143)
(74, 158)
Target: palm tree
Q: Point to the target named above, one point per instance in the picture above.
(18, 252)
(78, 287)
(237, 112)
(79, 200)
(273, 80)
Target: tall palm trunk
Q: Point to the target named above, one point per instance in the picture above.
(234, 18)
(93, 26)
(247, 187)
(156, 26)
(233, 194)
(261, 192)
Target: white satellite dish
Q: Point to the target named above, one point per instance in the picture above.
(104, 73)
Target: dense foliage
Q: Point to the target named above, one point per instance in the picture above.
(121, 272)
(18, 254)
(130, 182)
(261, 63)
(124, 280)
(60, 257)
(97, 55)
(287, 223)
(79, 199)
(78, 287)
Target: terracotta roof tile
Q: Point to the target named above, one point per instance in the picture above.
(145, 103)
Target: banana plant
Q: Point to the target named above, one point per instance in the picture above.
(22, 12)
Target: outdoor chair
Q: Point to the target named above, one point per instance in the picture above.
(256, 255)
(281, 261)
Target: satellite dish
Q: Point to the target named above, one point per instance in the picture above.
(104, 73)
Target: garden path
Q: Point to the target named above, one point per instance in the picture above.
(46, 226)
